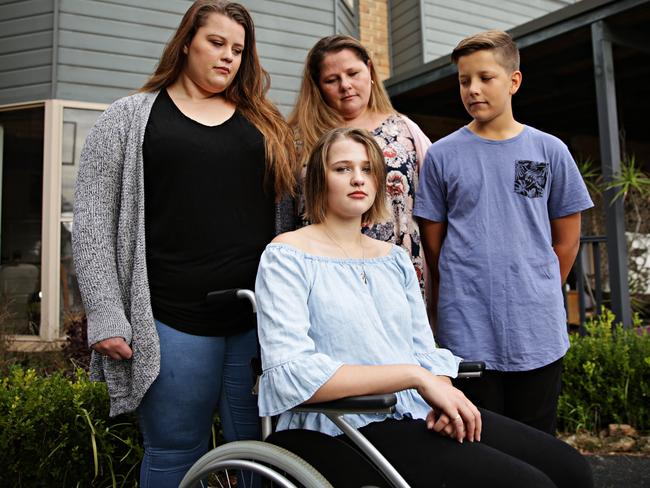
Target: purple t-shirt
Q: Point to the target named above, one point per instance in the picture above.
(500, 295)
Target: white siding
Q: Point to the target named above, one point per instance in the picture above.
(25, 50)
(446, 22)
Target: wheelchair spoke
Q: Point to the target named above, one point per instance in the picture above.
(228, 478)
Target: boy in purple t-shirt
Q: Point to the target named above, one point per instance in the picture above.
(499, 209)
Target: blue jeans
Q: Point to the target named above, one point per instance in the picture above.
(197, 375)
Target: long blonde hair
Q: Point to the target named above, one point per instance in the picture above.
(312, 117)
(247, 91)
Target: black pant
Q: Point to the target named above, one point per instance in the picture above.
(527, 396)
(510, 454)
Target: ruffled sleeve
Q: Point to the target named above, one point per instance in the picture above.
(293, 369)
(428, 354)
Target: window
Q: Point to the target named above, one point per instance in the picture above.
(77, 122)
(21, 217)
(40, 146)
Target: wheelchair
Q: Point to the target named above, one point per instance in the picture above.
(262, 464)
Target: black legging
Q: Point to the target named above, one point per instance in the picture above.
(510, 454)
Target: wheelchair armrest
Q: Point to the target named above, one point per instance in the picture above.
(357, 404)
(471, 369)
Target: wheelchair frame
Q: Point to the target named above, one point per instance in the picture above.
(263, 458)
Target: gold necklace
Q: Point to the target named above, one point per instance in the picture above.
(364, 277)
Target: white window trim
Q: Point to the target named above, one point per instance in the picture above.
(49, 337)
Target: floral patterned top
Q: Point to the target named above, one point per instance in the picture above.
(396, 142)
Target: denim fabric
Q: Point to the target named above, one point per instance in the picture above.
(500, 297)
(316, 313)
(197, 375)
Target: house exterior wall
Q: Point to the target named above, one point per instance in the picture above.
(424, 30)
(405, 35)
(373, 33)
(26, 40)
(98, 51)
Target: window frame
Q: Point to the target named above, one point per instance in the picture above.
(50, 335)
(351, 5)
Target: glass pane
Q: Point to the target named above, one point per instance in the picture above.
(71, 305)
(21, 173)
(76, 125)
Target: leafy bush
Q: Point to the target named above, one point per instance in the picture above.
(606, 377)
(55, 431)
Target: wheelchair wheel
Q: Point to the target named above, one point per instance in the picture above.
(244, 464)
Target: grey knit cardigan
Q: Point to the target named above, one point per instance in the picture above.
(108, 243)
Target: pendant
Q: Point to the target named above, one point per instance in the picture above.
(364, 278)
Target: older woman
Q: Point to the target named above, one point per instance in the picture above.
(177, 195)
(340, 88)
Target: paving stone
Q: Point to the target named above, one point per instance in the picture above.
(620, 471)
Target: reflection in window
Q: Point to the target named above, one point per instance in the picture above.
(21, 191)
(76, 125)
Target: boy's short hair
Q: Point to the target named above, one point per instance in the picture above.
(316, 176)
(505, 49)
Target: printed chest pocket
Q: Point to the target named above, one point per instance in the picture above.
(530, 178)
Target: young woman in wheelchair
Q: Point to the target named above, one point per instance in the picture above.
(341, 314)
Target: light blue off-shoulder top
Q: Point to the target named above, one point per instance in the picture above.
(316, 313)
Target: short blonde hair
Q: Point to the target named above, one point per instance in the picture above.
(315, 186)
(501, 43)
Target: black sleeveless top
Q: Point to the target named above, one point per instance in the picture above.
(208, 217)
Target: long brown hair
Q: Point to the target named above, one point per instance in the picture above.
(247, 91)
(311, 116)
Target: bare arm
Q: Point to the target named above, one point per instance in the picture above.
(432, 235)
(351, 380)
(565, 233)
(447, 402)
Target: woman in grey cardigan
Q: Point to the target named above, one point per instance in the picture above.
(180, 188)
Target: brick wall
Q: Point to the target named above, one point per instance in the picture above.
(374, 33)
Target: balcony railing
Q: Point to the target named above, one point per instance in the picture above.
(587, 280)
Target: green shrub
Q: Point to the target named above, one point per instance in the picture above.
(55, 431)
(606, 377)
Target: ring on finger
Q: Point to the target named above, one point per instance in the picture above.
(457, 418)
